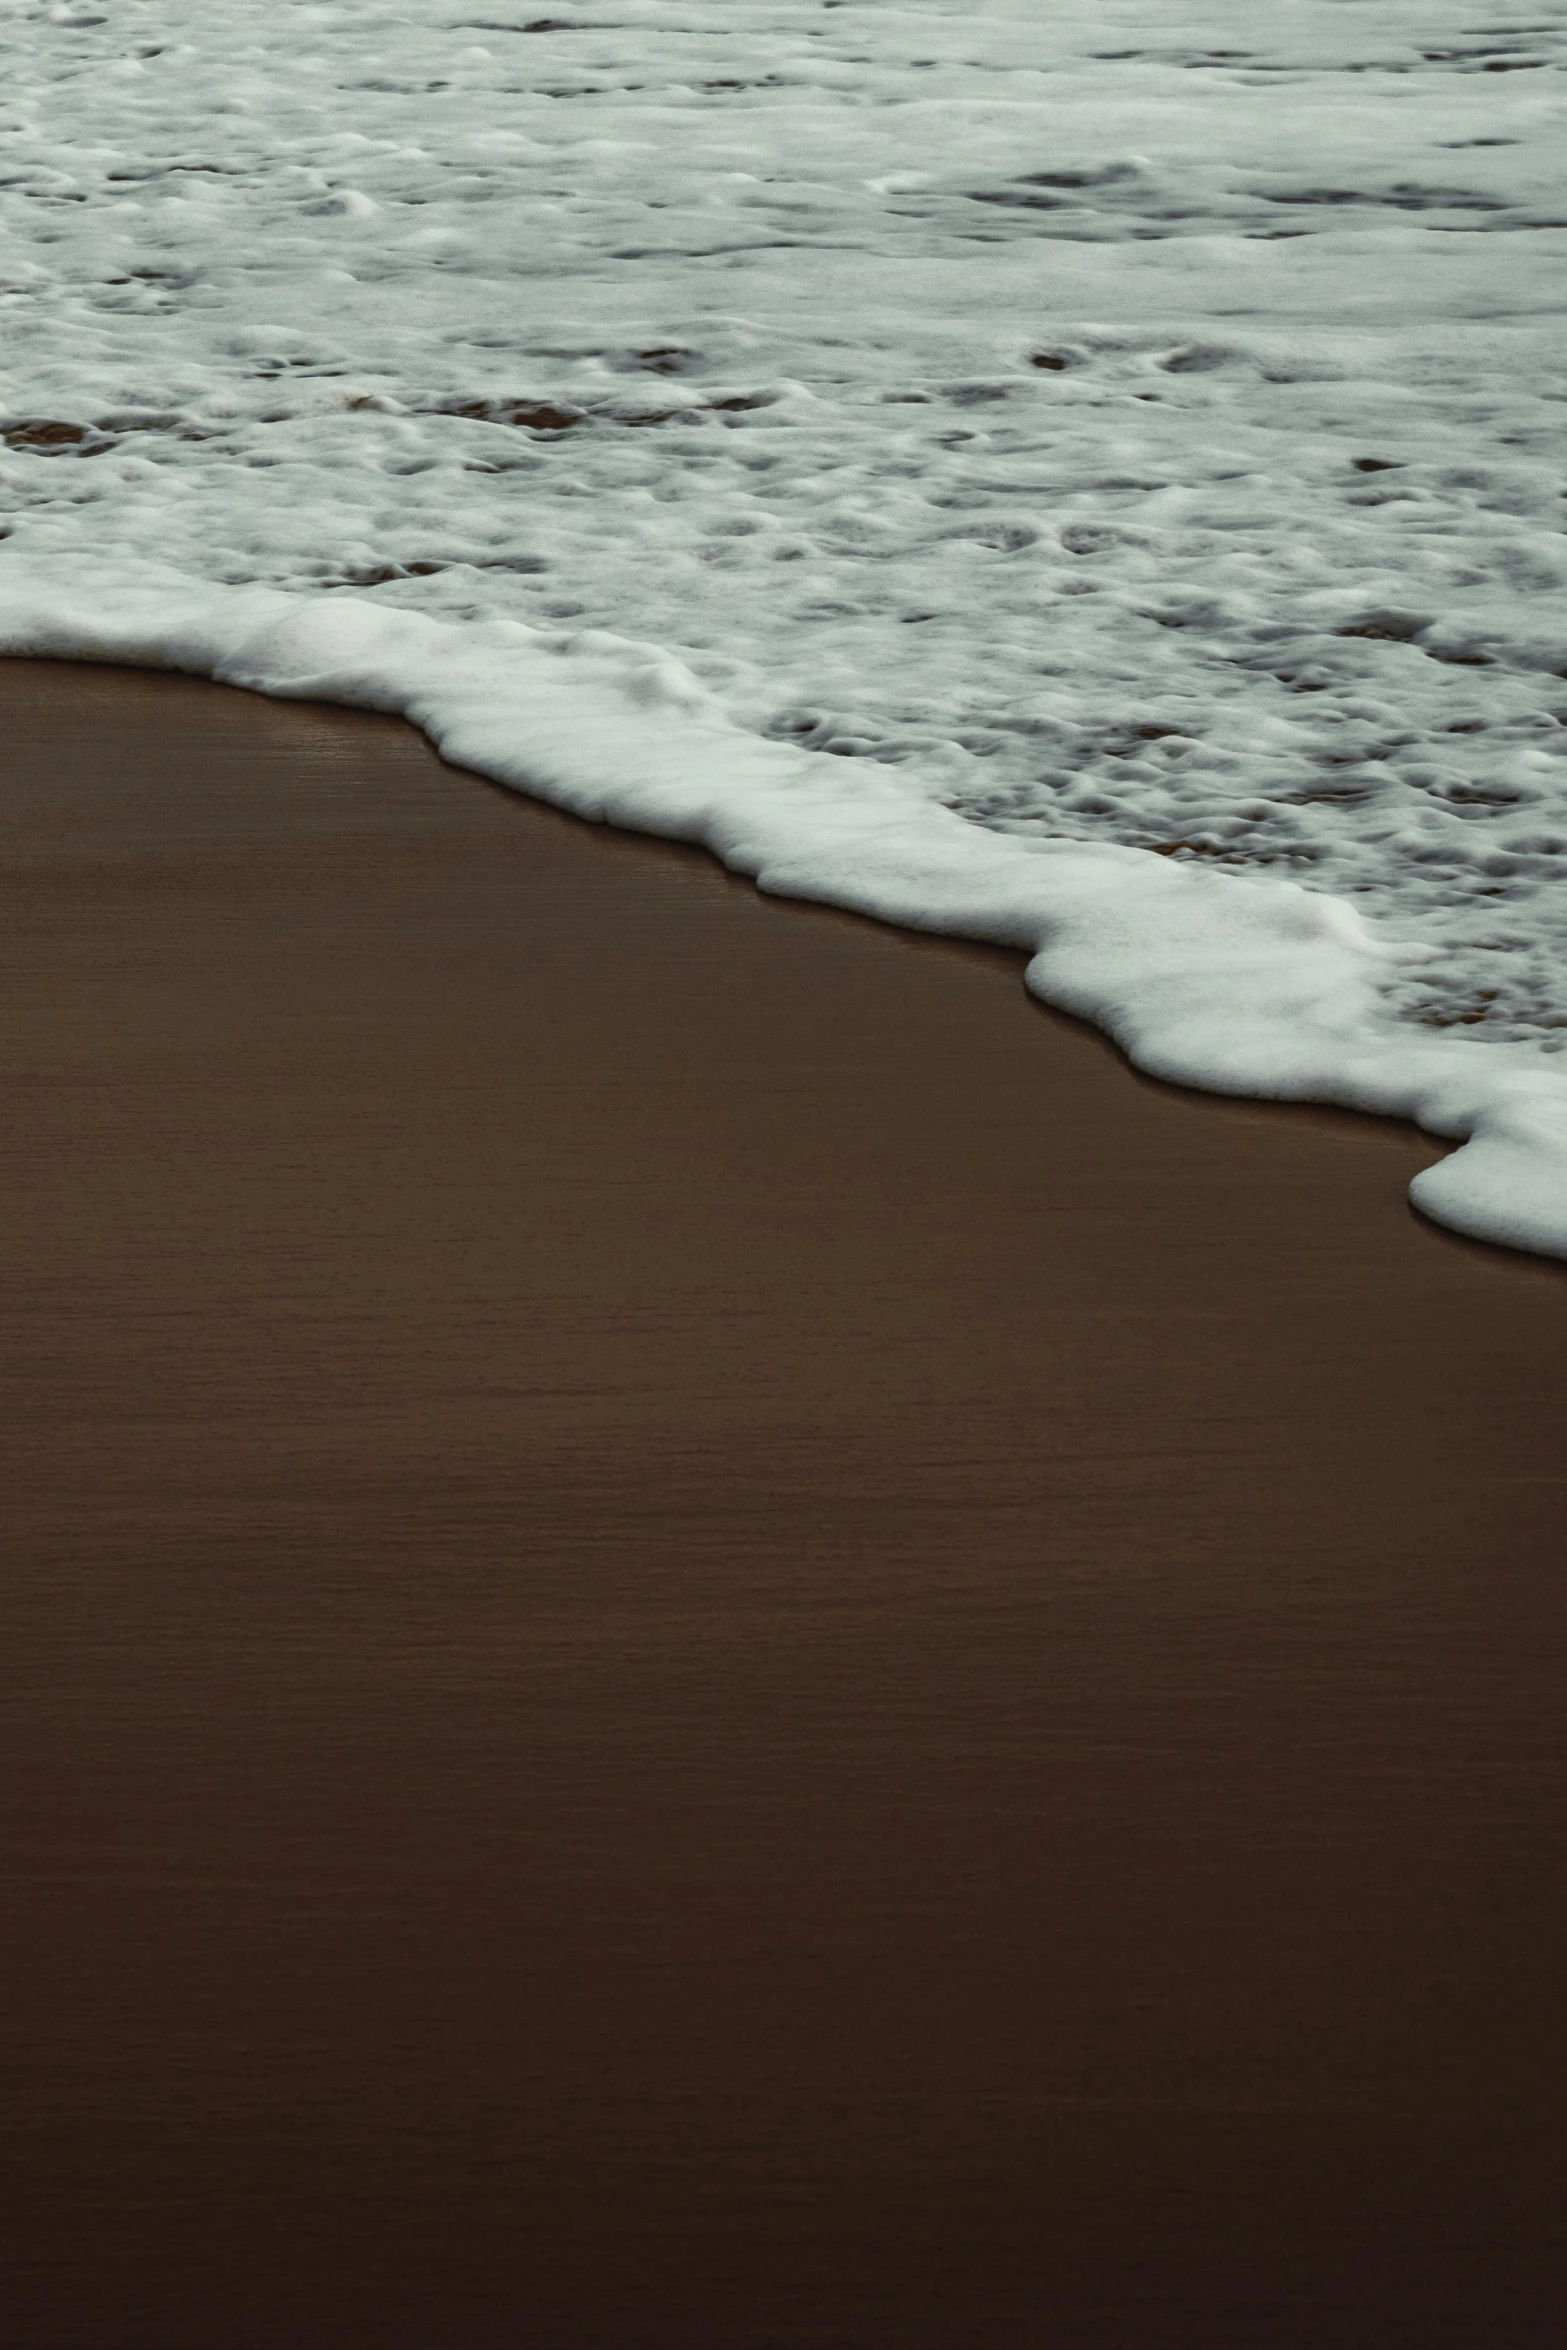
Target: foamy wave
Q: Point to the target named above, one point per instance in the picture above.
(1208, 979)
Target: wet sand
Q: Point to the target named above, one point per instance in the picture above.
(709, 1639)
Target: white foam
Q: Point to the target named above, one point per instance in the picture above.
(1043, 436)
(1210, 980)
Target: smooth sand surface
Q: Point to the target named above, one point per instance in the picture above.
(709, 1639)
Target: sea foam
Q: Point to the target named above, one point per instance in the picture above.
(1086, 476)
(1206, 979)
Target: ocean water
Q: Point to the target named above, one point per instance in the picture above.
(1091, 475)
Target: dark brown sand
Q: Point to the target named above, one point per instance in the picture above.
(712, 1641)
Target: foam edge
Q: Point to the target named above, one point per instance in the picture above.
(1205, 979)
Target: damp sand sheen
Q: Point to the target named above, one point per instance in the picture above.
(713, 1638)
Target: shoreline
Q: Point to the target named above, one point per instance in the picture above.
(1245, 986)
(717, 1638)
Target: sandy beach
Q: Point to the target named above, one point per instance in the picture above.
(712, 1640)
